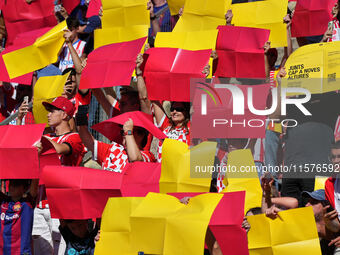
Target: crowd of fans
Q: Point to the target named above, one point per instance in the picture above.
(314, 140)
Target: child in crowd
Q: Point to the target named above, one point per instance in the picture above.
(79, 235)
(17, 217)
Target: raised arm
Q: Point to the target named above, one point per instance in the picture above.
(132, 149)
(145, 103)
(82, 124)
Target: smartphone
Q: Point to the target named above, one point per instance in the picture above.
(330, 25)
(26, 99)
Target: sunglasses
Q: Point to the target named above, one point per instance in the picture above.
(178, 109)
(332, 157)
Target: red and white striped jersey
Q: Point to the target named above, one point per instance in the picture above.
(65, 57)
(113, 157)
(181, 134)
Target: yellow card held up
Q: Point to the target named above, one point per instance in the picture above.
(267, 14)
(243, 176)
(163, 225)
(314, 67)
(41, 53)
(293, 232)
(195, 40)
(125, 13)
(115, 226)
(201, 15)
(111, 35)
(185, 170)
(46, 89)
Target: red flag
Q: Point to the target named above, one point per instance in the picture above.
(111, 65)
(18, 156)
(168, 71)
(93, 9)
(234, 55)
(21, 41)
(111, 128)
(222, 119)
(311, 17)
(226, 222)
(84, 193)
(21, 17)
(69, 5)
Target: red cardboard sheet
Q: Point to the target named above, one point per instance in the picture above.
(226, 222)
(111, 128)
(18, 156)
(311, 17)
(21, 41)
(21, 17)
(237, 47)
(111, 65)
(84, 192)
(168, 71)
(69, 5)
(93, 9)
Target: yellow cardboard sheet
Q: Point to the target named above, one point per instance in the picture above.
(46, 89)
(195, 40)
(41, 53)
(267, 14)
(315, 67)
(242, 179)
(201, 15)
(293, 232)
(156, 224)
(175, 6)
(125, 13)
(184, 170)
(119, 34)
(320, 182)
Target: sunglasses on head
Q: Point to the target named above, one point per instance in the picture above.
(178, 109)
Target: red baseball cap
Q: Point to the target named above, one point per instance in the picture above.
(61, 103)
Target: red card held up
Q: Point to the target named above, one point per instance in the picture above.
(22, 17)
(111, 65)
(237, 47)
(111, 128)
(168, 72)
(18, 156)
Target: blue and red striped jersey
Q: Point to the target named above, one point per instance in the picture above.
(16, 221)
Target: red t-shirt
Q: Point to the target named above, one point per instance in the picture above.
(113, 157)
(78, 150)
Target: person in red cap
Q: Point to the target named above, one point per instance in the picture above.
(71, 151)
(66, 143)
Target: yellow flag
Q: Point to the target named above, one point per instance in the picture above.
(119, 34)
(320, 182)
(175, 6)
(267, 14)
(201, 15)
(156, 224)
(125, 13)
(46, 89)
(314, 67)
(243, 176)
(185, 170)
(195, 40)
(41, 53)
(293, 232)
